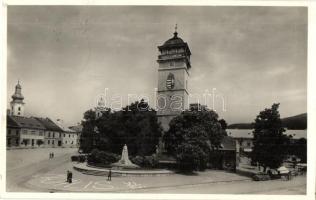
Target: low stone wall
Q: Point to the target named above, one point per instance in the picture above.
(83, 168)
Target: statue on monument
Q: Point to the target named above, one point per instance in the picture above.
(125, 161)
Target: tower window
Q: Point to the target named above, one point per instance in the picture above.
(19, 108)
(19, 113)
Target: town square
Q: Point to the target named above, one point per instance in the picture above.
(154, 99)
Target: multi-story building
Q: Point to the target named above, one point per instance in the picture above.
(53, 133)
(24, 131)
(35, 131)
(69, 136)
(78, 130)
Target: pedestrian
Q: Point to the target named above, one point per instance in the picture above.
(70, 177)
(52, 154)
(110, 175)
(67, 176)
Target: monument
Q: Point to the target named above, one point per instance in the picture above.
(125, 162)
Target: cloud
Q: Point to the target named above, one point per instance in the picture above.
(66, 55)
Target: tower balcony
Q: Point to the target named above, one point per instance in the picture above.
(172, 57)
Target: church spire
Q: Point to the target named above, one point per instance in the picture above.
(175, 31)
(17, 104)
(18, 92)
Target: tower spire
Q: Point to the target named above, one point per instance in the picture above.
(17, 104)
(175, 31)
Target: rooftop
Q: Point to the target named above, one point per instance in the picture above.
(247, 133)
(48, 124)
(24, 122)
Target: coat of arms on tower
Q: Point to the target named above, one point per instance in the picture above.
(170, 81)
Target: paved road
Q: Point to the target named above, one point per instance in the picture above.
(17, 176)
(296, 186)
(46, 175)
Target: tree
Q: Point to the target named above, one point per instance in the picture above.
(39, 142)
(88, 131)
(270, 144)
(191, 136)
(136, 125)
(223, 124)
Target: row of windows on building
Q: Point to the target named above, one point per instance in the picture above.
(40, 133)
(53, 142)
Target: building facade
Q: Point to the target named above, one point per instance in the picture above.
(69, 137)
(53, 134)
(32, 132)
(78, 130)
(24, 132)
(173, 77)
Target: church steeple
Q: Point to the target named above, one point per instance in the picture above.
(17, 104)
(17, 96)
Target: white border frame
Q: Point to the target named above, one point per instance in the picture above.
(311, 104)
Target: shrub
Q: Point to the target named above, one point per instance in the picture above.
(150, 161)
(78, 158)
(145, 161)
(138, 160)
(102, 157)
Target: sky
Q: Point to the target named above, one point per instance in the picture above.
(65, 56)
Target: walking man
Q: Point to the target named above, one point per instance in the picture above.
(110, 175)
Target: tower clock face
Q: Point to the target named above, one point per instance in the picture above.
(170, 81)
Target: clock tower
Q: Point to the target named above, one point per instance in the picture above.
(173, 75)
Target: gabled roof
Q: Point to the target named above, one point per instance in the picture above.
(63, 127)
(48, 124)
(24, 122)
(11, 123)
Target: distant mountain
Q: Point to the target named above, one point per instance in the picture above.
(297, 122)
(240, 126)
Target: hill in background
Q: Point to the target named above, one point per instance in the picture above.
(297, 122)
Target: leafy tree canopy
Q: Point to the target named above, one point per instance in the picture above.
(136, 125)
(270, 144)
(190, 137)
